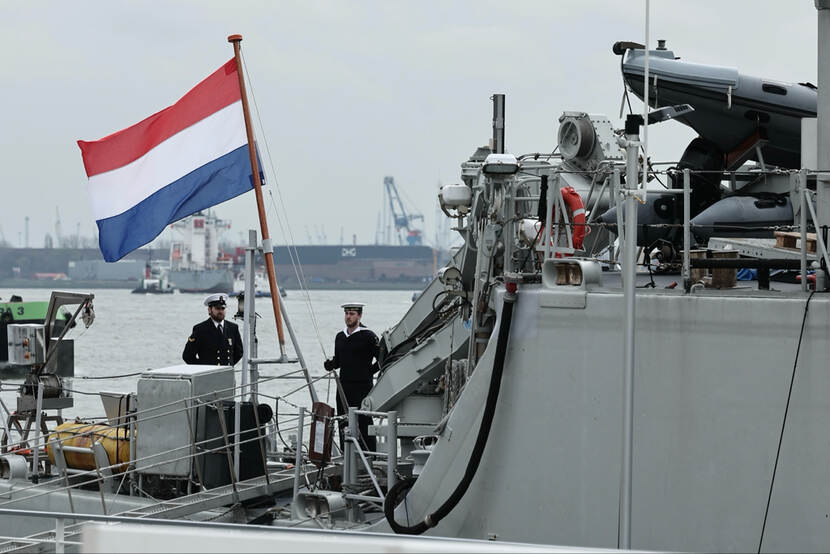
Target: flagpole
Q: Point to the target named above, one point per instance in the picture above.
(260, 203)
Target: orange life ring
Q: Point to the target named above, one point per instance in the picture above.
(576, 216)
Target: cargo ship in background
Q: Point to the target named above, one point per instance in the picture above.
(193, 262)
(197, 264)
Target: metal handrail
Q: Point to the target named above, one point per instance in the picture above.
(353, 451)
(179, 409)
(132, 471)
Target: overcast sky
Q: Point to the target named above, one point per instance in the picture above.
(348, 91)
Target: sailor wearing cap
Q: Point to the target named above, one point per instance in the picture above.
(214, 341)
(354, 349)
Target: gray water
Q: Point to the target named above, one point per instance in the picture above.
(136, 332)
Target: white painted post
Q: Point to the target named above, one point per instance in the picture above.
(38, 436)
(298, 462)
(687, 239)
(802, 225)
(391, 449)
(60, 535)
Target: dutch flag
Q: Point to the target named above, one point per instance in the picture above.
(185, 158)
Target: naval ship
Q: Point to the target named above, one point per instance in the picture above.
(551, 386)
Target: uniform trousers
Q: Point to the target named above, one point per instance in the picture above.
(355, 392)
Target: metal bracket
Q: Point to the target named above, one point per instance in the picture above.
(103, 463)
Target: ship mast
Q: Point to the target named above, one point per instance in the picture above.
(263, 222)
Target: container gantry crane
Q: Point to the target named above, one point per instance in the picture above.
(401, 220)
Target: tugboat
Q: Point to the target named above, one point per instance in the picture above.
(260, 286)
(155, 280)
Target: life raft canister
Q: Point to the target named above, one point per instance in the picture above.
(576, 215)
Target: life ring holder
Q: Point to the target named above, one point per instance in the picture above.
(575, 226)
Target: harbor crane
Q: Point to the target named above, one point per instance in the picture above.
(398, 218)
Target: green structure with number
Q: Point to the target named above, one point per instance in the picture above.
(23, 312)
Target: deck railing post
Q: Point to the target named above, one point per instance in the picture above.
(822, 247)
(802, 224)
(620, 215)
(354, 432)
(132, 455)
(60, 463)
(391, 449)
(60, 535)
(546, 235)
(249, 369)
(234, 468)
(298, 462)
(687, 239)
(38, 434)
(198, 459)
(351, 445)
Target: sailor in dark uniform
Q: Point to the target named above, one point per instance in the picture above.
(354, 349)
(214, 341)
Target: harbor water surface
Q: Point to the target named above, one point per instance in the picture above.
(135, 332)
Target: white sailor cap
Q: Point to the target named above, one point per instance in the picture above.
(356, 306)
(218, 299)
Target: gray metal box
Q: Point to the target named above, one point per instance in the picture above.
(27, 343)
(165, 433)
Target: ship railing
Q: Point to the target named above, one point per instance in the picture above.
(807, 197)
(80, 519)
(228, 393)
(355, 451)
(158, 533)
(606, 181)
(798, 189)
(58, 537)
(354, 456)
(179, 406)
(150, 509)
(104, 471)
(82, 478)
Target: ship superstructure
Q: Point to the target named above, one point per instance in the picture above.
(196, 264)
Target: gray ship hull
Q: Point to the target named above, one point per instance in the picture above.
(713, 371)
(208, 280)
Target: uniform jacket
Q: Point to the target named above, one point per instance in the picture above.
(354, 353)
(205, 346)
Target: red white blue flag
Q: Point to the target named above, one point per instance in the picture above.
(183, 159)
